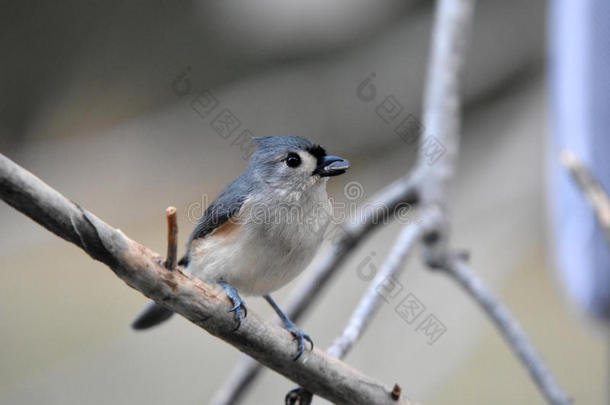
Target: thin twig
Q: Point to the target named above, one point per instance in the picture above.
(590, 187)
(238, 382)
(172, 238)
(143, 270)
(510, 329)
(396, 391)
(369, 304)
(400, 193)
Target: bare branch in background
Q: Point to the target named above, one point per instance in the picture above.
(442, 118)
(238, 382)
(452, 24)
(143, 270)
(509, 328)
(590, 187)
(370, 302)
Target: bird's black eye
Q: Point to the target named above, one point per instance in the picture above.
(293, 160)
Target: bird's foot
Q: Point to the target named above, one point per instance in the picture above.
(298, 396)
(239, 305)
(299, 335)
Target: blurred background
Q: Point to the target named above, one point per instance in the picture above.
(113, 104)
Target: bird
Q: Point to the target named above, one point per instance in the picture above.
(263, 229)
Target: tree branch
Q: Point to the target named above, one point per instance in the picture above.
(442, 118)
(510, 329)
(370, 302)
(453, 19)
(143, 270)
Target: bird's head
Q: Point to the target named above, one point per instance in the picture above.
(294, 163)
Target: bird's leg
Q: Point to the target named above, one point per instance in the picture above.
(291, 327)
(238, 303)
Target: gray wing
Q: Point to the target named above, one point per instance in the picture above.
(228, 203)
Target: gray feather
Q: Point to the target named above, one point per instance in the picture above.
(223, 208)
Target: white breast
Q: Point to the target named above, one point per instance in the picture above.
(278, 236)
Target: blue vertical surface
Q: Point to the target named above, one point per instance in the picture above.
(579, 38)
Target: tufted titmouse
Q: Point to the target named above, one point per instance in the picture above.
(263, 229)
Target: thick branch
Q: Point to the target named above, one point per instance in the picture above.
(441, 109)
(396, 195)
(452, 24)
(143, 270)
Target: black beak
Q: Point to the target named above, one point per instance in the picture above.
(331, 166)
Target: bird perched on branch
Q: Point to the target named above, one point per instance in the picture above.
(263, 229)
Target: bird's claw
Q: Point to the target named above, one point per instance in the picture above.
(238, 308)
(238, 304)
(301, 337)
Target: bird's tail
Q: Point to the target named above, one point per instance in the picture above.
(152, 315)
